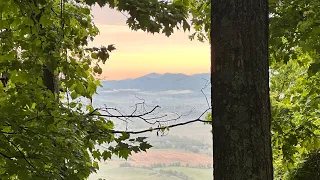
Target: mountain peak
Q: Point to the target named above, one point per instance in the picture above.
(161, 82)
(180, 74)
(157, 75)
(152, 75)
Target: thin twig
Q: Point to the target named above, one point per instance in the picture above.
(159, 128)
(206, 85)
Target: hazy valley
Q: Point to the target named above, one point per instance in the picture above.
(179, 154)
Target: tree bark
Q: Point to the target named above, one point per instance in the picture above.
(240, 90)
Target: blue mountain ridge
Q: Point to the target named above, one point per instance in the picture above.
(161, 82)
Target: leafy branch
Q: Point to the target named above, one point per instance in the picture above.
(18, 149)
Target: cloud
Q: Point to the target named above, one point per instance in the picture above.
(120, 90)
(173, 92)
(169, 92)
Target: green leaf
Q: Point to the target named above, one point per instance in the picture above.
(186, 26)
(124, 153)
(106, 155)
(73, 104)
(111, 48)
(44, 20)
(97, 69)
(94, 55)
(144, 146)
(74, 95)
(80, 89)
(124, 136)
(96, 154)
(95, 165)
(141, 139)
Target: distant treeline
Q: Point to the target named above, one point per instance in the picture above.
(163, 165)
(169, 172)
(176, 142)
(177, 174)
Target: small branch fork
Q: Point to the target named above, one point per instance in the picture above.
(161, 128)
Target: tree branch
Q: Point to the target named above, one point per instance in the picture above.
(17, 148)
(159, 128)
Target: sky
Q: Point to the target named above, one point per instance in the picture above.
(139, 53)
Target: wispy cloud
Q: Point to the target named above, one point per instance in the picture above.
(120, 90)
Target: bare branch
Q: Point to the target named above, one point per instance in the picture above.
(163, 127)
(106, 110)
(159, 128)
(132, 115)
(206, 85)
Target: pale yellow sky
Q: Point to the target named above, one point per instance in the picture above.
(139, 53)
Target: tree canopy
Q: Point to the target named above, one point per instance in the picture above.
(46, 66)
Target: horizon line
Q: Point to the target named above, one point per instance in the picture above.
(104, 78)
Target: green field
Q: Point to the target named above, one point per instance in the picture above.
(166, 153)
(109, 172)
(195, 173)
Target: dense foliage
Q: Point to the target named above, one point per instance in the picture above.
(45, 131)
(296, 115)
(309, 168)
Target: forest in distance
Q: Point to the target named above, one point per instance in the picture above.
(255, 115)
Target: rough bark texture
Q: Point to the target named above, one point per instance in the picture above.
(240, 90)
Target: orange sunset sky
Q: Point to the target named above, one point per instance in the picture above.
(140, 53)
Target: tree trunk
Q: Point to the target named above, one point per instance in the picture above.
(240, 90)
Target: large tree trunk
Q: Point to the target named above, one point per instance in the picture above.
(240, 90)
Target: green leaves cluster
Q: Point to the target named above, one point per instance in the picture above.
(47, 134)
(152, 16)
(295, 111)
(309, 168)
(200, 11)
(294, 26)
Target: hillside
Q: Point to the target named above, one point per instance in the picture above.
(161, 82)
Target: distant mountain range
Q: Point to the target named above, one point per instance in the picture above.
(161, 82)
